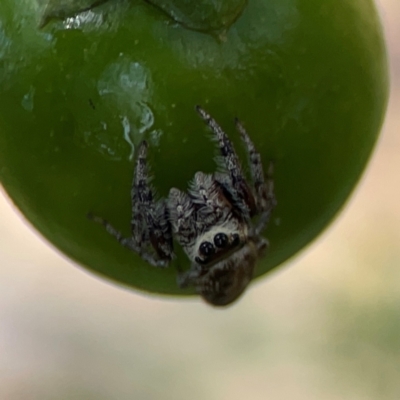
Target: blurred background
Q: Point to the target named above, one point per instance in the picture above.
(325, 326)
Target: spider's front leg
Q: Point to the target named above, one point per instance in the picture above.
(259, 198)
(150, 226)
(235, 183)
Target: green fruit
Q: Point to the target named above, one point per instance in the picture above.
(307, 78)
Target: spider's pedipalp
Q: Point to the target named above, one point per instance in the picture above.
(182, 217)
(209, 201)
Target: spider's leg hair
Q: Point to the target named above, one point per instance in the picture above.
(263, 189)
(140, 184)
(238, 205)
(228, 153)
(231, 160)
(126, 242)
(161, 231)
(150, 224)
(270, 202)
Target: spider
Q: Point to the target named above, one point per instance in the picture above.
(212, 222)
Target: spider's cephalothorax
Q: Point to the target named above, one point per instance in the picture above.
(212, 222)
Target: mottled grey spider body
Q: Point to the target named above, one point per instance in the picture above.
(212, 222)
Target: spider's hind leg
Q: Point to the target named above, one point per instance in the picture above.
(263, 188)
(126, 242)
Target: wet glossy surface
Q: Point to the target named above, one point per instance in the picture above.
(202, 15)
(307, 79)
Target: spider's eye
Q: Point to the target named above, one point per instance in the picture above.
(207, 249)
(220, 240)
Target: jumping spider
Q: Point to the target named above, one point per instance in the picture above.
(212, 222)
